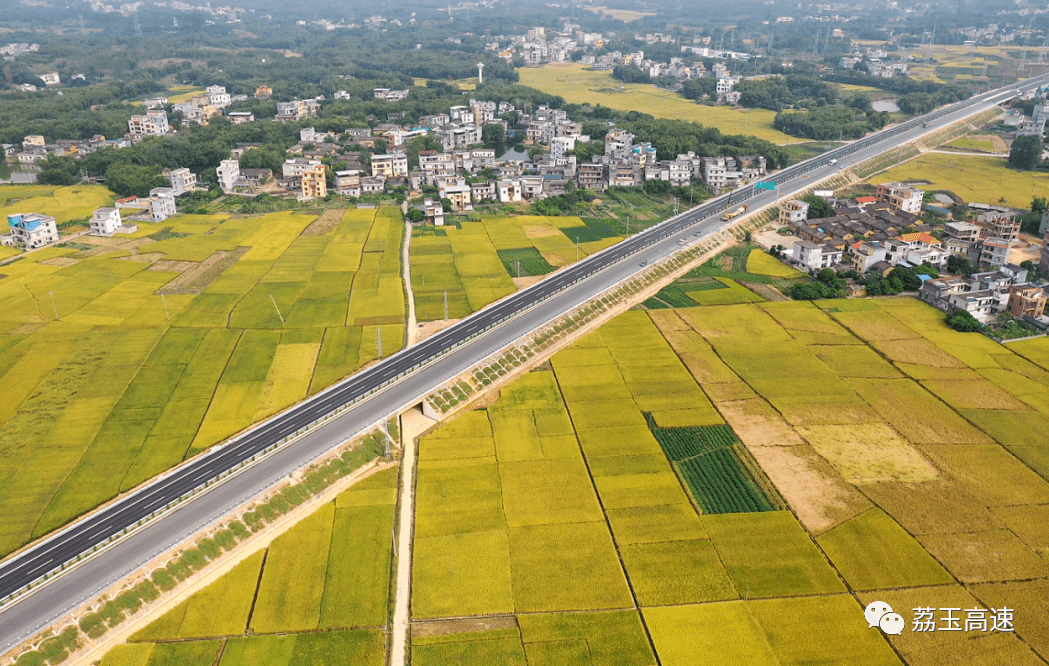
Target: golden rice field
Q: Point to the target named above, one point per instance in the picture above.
(580, 517)
(76, 202)
(318, 594)
(579, 85)
(126, 373)
(971, 177)
(565, 493)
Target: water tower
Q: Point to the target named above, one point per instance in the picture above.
(480, 68)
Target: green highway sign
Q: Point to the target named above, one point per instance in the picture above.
(765, 186)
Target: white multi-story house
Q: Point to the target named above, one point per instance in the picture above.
(560, 145)
(162, 203)
(793, 210)
(51, 79)
(182, 180)
(901, 197)
(240, 117)
(31, 230)
(217, 96)
(509, 190)
(393, 165)
(294, 168)
(298, 109)
(348, 182)
(815, 257)
(390, 95)
(228, 173)
(105, 222)
(155, 103)
(154, 123)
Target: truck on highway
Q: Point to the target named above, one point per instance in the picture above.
(925, 124)
(736, 213)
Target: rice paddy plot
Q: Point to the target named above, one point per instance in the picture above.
(566, 567)
(499, 646)
(607, 638)
(579, 85)
(676, 572)
(462, 574)
(769, 555)
(524, 262)
(720, 485)
(716, 633)
(292, 584)
(873, 552)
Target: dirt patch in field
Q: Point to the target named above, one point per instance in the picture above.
(193, 280)
(756, 423)
(428, 328)
(523, 282)
(447, 627)
(59, 261)
(323, 225)
(768, 291)
(817, 494)
(172, 266)
(146, 258)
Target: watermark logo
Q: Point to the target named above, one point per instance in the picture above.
(927, 619)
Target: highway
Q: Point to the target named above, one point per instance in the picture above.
(384, 389)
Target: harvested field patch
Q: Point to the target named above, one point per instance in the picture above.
(756, 423)
(868, 453)
(325, 224)
(975, 394)
(813, 489)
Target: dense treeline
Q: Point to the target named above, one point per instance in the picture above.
(630, 74)
(917, 103)
(778, 93)
(830, 122)
(898, 84)
(70, 116)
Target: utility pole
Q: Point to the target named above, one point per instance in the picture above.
(379, 332)
(518, 269)
(277, 309)
(53, 305)
(627, 225)
(166, 313)
(446, 305)
(576, 255)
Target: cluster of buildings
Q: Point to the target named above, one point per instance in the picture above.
(880, 232)
(986, 295)
(873, 235)
(34, 148)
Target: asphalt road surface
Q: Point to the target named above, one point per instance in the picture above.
(381, 391)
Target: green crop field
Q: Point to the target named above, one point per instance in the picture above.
(111, 393)
(578, 85)
(314, 596)
(973, 178)
(473, 265)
